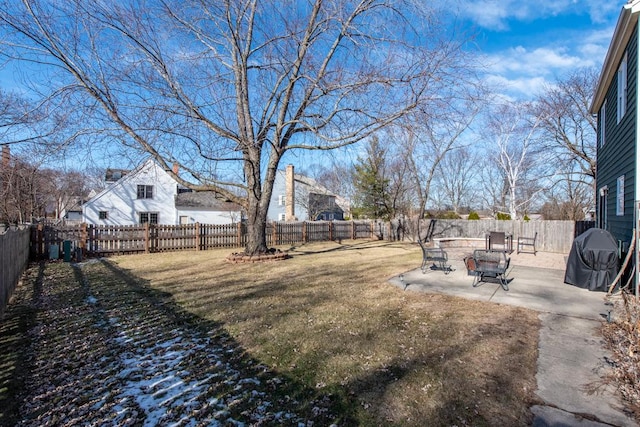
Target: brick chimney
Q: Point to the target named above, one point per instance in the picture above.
(289, 197)
(6, 156)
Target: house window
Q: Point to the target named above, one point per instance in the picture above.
(103, 215)
(150, 217)
(622, 88)
(281, 200)
(145, 191)
(281, 217)
(620, 196)
(184, 220)
(603, 115)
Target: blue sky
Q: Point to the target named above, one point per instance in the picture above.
(526, 44)
(530, 43)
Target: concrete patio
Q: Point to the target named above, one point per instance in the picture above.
(571, 355)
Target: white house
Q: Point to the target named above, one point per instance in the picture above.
(299, 198)
(149, 194)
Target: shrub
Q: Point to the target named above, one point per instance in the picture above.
(526, 217)
(448, 215)
(473, 215)
(503, 216)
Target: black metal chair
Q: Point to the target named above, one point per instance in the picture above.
(497, 241)
(437, 257)
(491, 264)
(527, 242)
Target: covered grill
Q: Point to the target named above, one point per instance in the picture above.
(593, 261)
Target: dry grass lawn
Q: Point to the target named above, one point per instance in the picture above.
(328, 319)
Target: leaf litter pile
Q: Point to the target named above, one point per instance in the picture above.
(622, 338)
(106, 350)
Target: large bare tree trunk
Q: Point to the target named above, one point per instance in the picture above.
(225, 89)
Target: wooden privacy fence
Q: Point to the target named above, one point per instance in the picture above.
(553, 236)
(14, 255)
(100, 240)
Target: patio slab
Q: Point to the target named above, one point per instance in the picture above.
(571, 354)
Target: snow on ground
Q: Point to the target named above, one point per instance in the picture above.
(115, 354)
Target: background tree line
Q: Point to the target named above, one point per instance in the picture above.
(514, 158)
(230, 90)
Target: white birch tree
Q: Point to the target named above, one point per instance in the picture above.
(513, 137)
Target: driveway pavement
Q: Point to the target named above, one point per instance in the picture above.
(571, 354)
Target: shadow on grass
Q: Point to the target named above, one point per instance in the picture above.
(120, 314)
(297, 250)
(19, 318)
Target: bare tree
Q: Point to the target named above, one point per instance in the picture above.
(456, 175)
(568, 199)
(224, 89)
(430, 136)
(568, 128)
(25, 191)
(513, 133)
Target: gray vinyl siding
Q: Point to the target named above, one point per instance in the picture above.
(617, 156)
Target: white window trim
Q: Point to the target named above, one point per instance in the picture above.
(620, 196)
(622, 89)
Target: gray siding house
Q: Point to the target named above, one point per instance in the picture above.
(296, 197)
(615, 103)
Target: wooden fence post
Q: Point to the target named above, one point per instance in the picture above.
(331, 231)
(198, 241)
(83, 238)
(146, 237)
(275, 233)
(239, 234)
(40, 237)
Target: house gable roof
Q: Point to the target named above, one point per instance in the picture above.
(624, 29)
(314, 187)
(127, 177)
(205, 199)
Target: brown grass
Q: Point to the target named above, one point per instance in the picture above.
(328, 318)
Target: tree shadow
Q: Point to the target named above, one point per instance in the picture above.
(18, 319)
(122, 314)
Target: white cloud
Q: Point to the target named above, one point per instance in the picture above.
(494, 14)
(535, 62)
(518, 87)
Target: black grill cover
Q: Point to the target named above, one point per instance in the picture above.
(593, 260)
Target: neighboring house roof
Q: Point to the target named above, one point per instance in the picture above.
(314, 187)
(205, 200)
(112, 175)
(624, 29)
(126, 177)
